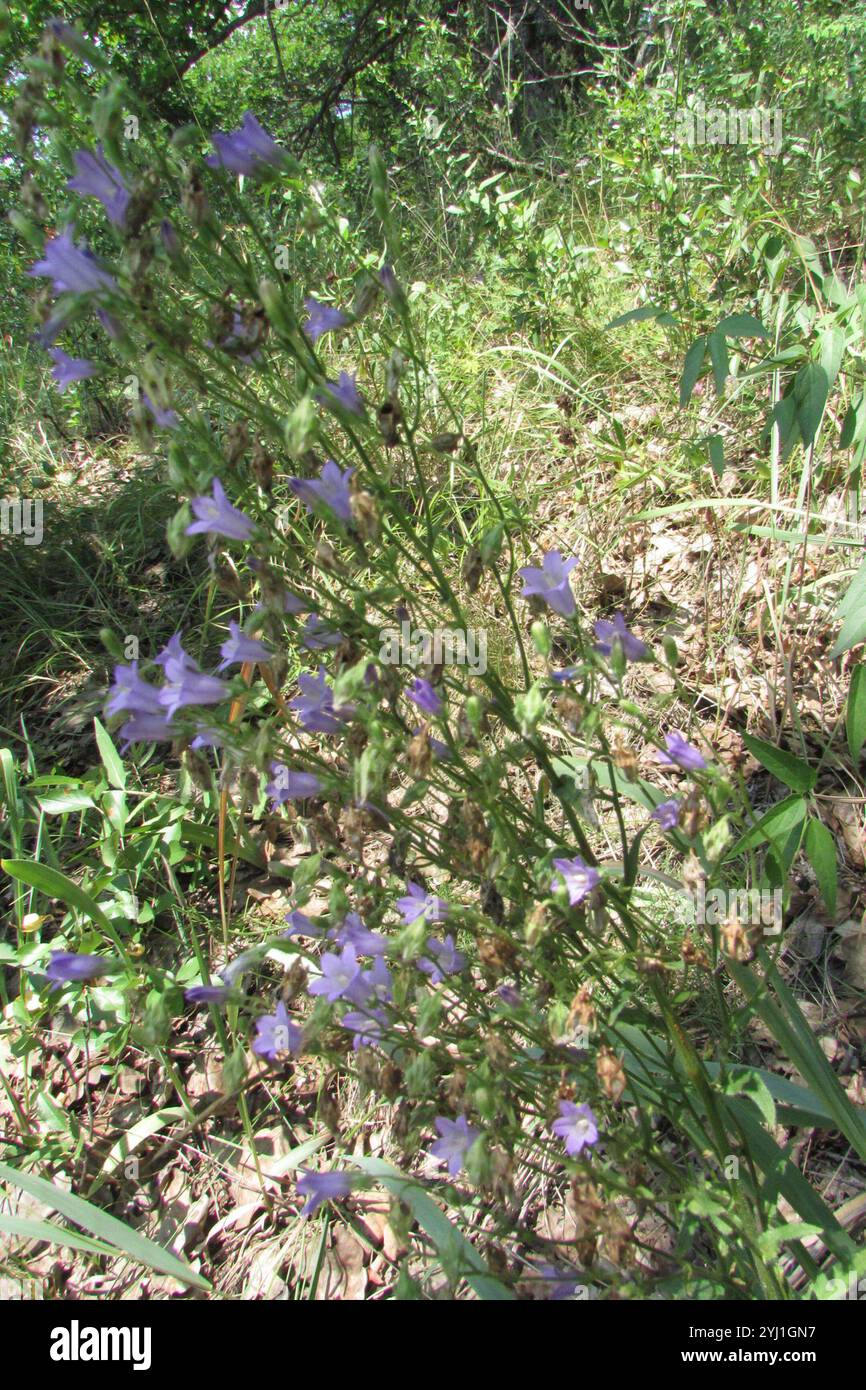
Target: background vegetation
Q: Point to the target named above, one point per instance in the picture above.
(605, 341)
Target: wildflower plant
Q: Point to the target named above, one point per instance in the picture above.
(486, 967)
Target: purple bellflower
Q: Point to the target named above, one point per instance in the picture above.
(608, 633)
(447, 960)
(217, 517)
(550, 582)
(291, 786)
(323, 318)
(418, 903)
(67, 370)
(421, 693)
(185, 683)
(323, 1187)
(681, 753)
(576, 1126)
(97, 178)
(455, 1141)
(667, 814)
(331, 490)
(277, 1037)
(344, 393)
(72, 268)
(580, 878)
(315, 705)
(246, 150)
(239, 647)
(68, 967)
(338, 974)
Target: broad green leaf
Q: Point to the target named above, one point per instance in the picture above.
(718, 350)
(741, 326)
(748, 1082)
(104, 1227)
(126, 1145)
(785, 1178)
(694, 361)
(776, 826)
(855, 717)
(646, 311)
(65, 803)
(54, 884)
(820, 850)
(56, 1235)
(795, 773)
(111, 759)
(810, 397)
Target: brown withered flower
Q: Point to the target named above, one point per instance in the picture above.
(693, 954)
(419, 754)
(610, 1073)
(497, 954)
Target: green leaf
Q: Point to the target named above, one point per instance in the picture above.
(459, 1258)
(56, 1235)
(784, 1019)
(104, 1227)
(65, 803)
(53, 884)
(778, 826)
(820, 850)
(784, 1177)
(716, 445)
(646, 311)
(811, 386)
(855, 718)
(741, 326)
(694, 361)
(111, 760)
(747, 1081)
(719, 358)
(795, 773)
(852, 611)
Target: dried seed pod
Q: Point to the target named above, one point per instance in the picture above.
(236, 441)
(693, 954)
(497, 954)
(390, 1080)
(625, 758)
(389, 418)
(262, 467)
(296, 981)
(329, 1114)
(610, 1073)
(491, 901)
(419, 754)
(740, 942)
(444, 443)
(571, 712)
(582, 1010)
(365, 513)
(455, 1087)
